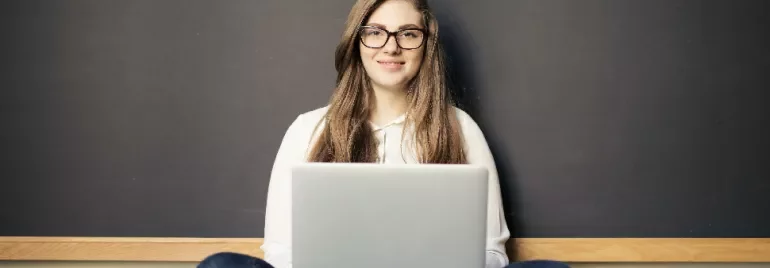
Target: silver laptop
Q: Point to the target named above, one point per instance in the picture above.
(386, 216)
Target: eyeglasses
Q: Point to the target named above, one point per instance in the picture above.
(374, 37)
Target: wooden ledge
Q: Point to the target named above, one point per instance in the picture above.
(122, 249)
(563, 249)
(645, 249)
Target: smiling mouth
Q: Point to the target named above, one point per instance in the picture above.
(391, 63)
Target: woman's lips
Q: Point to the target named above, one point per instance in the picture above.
(391, 65)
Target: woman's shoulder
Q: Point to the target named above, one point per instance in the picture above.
(468, 126)
(476, 146)
(297, 138)
(465, 119)
(305, 123)
(311, 118)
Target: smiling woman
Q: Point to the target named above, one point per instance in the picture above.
(390, 105)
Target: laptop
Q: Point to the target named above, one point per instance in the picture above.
(353, 215)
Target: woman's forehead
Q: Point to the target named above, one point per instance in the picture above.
(395, 14)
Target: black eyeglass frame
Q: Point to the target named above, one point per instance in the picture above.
(394, 34)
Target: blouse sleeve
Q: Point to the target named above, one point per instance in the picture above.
(478, 153)
(277, 237)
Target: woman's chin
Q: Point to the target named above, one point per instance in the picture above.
(391, 84)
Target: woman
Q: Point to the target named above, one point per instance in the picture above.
(390, 106)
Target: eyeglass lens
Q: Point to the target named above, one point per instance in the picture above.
(406, 39)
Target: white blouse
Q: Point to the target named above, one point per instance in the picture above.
(295, 148)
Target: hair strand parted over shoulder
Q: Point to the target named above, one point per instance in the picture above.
(347, 135)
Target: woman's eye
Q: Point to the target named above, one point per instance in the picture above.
(410, 34)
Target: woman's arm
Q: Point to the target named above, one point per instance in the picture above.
(478, 153)
(277, 240)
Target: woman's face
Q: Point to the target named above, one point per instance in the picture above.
(390, 66)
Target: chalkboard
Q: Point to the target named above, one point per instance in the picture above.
(607, 118)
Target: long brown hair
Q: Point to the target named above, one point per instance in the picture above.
(347, 136)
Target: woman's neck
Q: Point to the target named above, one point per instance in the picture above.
(389, 104)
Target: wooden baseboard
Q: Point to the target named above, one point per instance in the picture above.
(122, 249)
(645, 249)
(562, 249)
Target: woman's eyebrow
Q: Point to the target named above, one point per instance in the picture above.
(376, 25)
(409, 26)
(405, 26)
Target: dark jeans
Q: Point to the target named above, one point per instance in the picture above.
(236, 260)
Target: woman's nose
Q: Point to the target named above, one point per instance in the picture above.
(391, 45)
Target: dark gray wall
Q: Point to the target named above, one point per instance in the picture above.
(162, 118)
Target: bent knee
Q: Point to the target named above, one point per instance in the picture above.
(228, 259)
